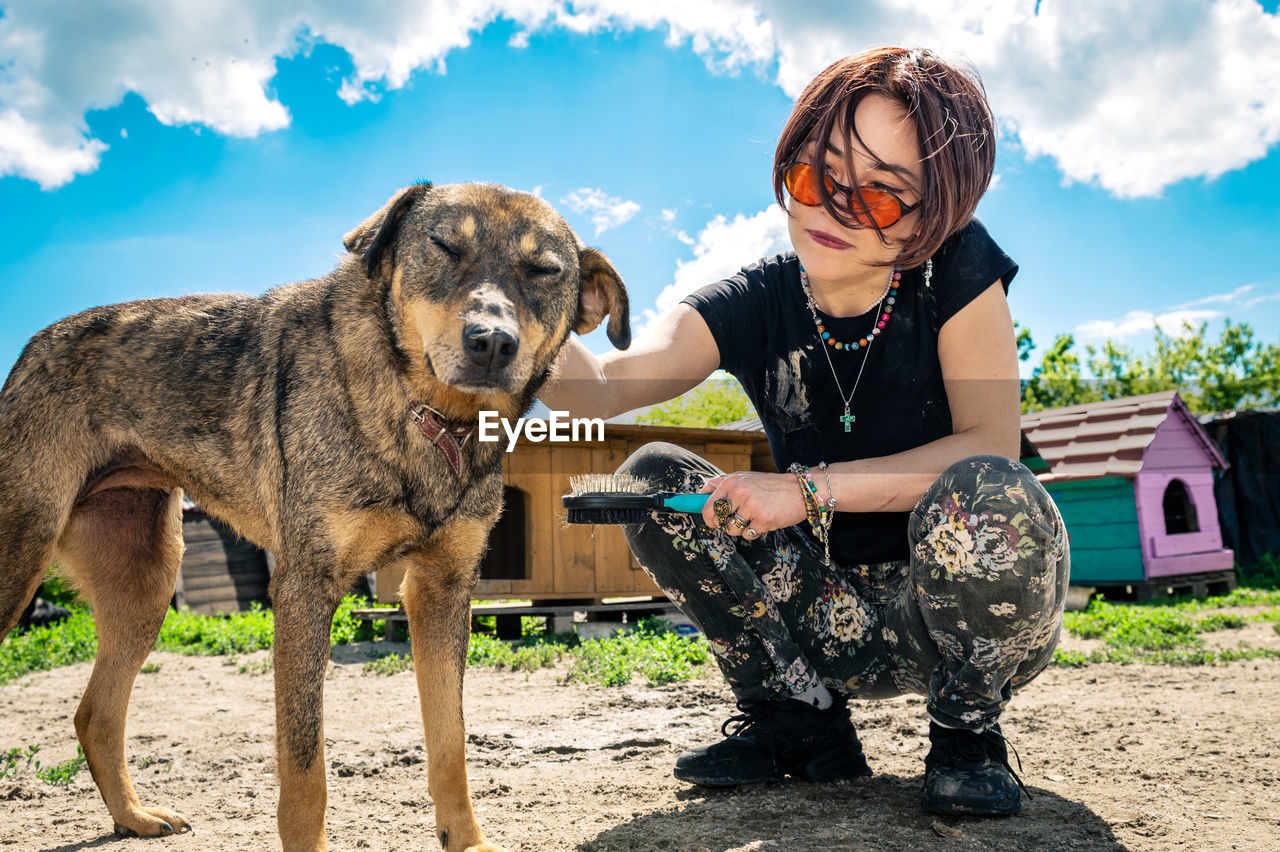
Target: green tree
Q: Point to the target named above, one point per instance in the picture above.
(718, 400)
(1119, 372)
(1058, 381)
(1237, 371)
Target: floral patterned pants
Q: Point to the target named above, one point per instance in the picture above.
(974, 614)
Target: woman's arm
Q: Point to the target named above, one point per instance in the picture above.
(979, 359)
(666, 361)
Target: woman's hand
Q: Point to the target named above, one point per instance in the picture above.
(764, 501)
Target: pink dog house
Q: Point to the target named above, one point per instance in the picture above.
(1133, 478)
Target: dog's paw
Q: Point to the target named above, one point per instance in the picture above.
(482, 846)
(152, 822)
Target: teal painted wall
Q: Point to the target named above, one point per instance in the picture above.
(1101, 516)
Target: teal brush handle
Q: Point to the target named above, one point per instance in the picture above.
(686, 502)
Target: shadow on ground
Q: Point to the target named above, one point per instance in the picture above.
(881, 813)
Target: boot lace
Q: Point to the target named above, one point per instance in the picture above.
(748, 717)
(976, 747)
(1003, 758)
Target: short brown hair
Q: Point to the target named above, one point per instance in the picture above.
(954, 126)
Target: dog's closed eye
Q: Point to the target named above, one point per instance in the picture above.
(453, 253)
(536, 270)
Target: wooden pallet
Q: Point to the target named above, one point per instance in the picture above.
(1198, 585)
(559, 614)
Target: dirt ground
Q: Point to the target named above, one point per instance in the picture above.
(1116, 757)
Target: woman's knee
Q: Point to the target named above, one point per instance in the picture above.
(986, 487)
(668, 467)
(987, 519)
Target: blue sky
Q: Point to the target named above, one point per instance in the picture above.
(151, 152)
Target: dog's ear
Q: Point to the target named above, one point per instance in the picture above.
(602, 293)
(371, 237)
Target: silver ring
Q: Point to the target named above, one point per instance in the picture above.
(739, 522)
(750, 533)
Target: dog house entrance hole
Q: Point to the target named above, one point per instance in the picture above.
(1179, 510)
(506, 557)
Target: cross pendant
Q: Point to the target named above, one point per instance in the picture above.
(847, 419)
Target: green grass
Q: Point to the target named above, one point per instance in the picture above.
(70, 641)
(650, 650)
(526, 655)
(389, 664)
(16, 761)
(63, 773)
(75, 640)
(1263, 574)
(1166, 632)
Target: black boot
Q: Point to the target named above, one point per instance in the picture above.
(777, 738)
(968, 772)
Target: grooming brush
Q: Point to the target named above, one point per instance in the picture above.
(620, 498)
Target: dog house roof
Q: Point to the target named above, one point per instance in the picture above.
(1109, 438)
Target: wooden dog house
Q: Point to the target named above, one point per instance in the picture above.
(1134, 480)
(535, 555)
(221, 572)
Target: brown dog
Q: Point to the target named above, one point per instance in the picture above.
(329, 421)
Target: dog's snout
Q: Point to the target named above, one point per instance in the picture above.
(489, 347)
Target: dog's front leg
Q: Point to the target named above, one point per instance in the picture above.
(437, 599)
(303, 615)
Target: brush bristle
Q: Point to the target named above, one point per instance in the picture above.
(617, 483)
(607, 516)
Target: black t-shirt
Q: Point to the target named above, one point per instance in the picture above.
(768, 341)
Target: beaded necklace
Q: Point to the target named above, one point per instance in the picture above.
(884, 310)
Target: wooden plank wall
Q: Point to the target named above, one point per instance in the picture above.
(220, 571)
(565, 561)
(1177, 452)
(1102, 520)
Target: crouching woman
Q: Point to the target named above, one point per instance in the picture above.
(901, 548)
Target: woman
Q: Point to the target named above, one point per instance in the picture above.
(903, 550)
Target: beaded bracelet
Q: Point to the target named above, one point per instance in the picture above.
(817, 499)
(820, 514)
(810, 505)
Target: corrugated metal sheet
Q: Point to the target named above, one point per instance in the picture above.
(1106, 438)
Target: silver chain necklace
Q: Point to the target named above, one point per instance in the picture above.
(881, 322)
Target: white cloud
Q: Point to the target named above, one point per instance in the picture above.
(722, 248)
(1235, 297)
(1128, 94)
(1135, 323)
(1233, 304)
(1257, 300)
(199, 63)
(667, 224)
(44, 154)
(606, 211)
(727, 34)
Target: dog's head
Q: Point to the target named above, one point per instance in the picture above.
(485, 284)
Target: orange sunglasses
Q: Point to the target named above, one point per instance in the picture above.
(876, 208)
